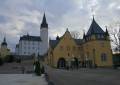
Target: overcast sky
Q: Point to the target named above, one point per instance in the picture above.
(17, 17)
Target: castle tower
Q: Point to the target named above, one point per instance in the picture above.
(44, 35)
(4, 43)
(4, 51)
(97, 46)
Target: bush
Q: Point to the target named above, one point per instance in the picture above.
(9, 58)
(1, 61)
(37, 68)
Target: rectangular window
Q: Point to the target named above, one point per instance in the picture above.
(103, 57)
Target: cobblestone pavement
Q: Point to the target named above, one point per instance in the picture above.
(84, 76)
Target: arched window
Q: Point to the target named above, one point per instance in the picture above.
(103, 57)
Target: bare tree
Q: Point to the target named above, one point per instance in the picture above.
(115, 36)
(75, 34)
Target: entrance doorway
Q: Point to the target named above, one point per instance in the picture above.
(61, 63)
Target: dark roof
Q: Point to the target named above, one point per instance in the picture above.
(30, 38)
(95, 28)
(107, 33)
(4, 42)
(53, 43)
(44, 22)
(78, 41)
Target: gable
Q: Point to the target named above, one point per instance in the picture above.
(66, 41)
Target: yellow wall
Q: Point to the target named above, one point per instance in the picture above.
(100, 47)
(4, 52)
(80, 51)
(66, 48)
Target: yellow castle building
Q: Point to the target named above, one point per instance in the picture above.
(91, 51)
(4, 51)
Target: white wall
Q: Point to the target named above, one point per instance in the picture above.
(45, 41)
(29, 47)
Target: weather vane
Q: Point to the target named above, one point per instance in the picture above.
(93, 12)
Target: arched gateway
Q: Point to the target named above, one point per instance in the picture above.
(61, 63)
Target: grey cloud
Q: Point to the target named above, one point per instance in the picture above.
(17, 17)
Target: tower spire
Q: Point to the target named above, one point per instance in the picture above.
(4, 42)
(93, 17)
(44, 22)
(106, 31)
(84, 34)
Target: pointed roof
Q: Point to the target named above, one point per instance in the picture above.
(94, 28)
(44, 22)
(107, 31)
(4, 41)
(84, 35)
(30, 38)
(53, 43)
(57, 38)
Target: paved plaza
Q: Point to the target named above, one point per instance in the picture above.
(84, 76)
(22, 79)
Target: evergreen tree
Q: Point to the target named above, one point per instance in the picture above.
(37, 68)
(9, 58)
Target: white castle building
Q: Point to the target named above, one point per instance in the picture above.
(29, 45)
